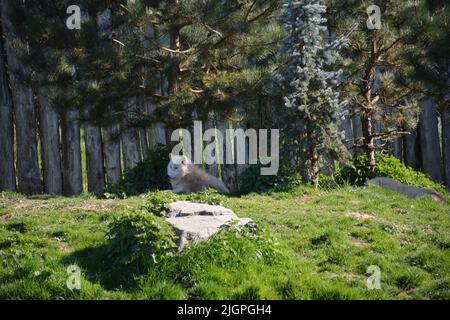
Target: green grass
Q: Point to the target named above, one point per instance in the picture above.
(325, 242)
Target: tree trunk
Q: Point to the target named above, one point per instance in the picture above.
(357, 132)
(411, 150)
(24, 112)
(429, 140)
(315, 170)
(397, 148)
(156, 132)
(130, 139)
(130, 148)
(346, 127)
(112, 154)
(7, 170)
(71, 153)
(445, 119)
(369, 146)
(94, 158)
(50, 145)
(144, 142)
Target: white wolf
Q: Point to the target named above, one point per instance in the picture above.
(186, 177)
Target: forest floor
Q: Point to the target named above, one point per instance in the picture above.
(328, 240)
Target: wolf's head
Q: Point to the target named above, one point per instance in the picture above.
(177, 167)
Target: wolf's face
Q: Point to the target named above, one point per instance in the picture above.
(177, 166)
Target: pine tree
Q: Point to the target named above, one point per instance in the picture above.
(374, 66)
(312, 107)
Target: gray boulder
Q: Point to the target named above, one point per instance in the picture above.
(408, 191)
(194, 222)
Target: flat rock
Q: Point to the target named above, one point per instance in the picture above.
(193, 222)
(187, 208)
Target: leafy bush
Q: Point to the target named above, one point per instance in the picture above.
(236, 249)
(158, 202)
(150, 174)
(386, 166)
(139, 238)
(251, 180)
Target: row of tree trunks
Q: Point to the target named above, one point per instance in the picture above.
(7, 170)
(50, 145)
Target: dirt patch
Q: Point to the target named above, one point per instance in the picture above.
(359, 215)
(5, 217)
(94, 207)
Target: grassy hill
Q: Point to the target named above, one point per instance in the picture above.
(324, 241)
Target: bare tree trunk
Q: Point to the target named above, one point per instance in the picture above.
(94, 158)
(445, 120)
(144, 143)
(111, 142)
(156, 132)
(143, 132)
(130, 139)
(112, 154)
(7, 170)
(228, 170)
(357, 131)
(369, 145)
(397, 148)
(346, 127)
(130, 143)
(71, 153)
(24, 112)
(50, 145)
(411, 150)
(429, 140)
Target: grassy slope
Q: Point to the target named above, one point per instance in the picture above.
(329, 240)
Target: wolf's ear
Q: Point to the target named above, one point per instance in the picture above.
(170, 156)
(184, 160)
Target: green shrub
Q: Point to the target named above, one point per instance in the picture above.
(150, 174)
(251, 180)
(386, 166)
(157, 202)
(139, 238)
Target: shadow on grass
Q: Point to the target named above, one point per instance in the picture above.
(99, 268)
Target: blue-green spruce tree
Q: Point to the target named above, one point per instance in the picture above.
(312, 107)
